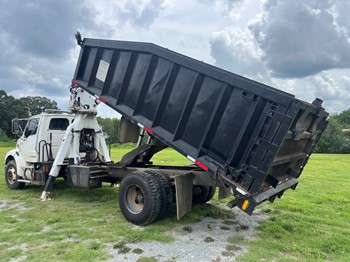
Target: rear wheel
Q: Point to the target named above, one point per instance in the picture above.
(202, 194)
(166, 193)
(11, 176)
(139, 198)
(212, 190)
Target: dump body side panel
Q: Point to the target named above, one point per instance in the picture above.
(230, 125)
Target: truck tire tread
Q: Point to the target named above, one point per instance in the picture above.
(212, 190)
(201, 196)
(166, 193)
(151, 189)
(14, 185)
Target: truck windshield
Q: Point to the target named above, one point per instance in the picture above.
(32, 127)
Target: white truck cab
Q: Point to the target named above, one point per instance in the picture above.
(38, 145)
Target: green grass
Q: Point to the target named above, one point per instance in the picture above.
(312, 223)
(8, 144)
(78, 224)
(165, 157)
(309, 224)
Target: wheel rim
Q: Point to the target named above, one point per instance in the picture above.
(135, 200)
(11, 175)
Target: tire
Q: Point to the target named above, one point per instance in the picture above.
(200, 194)
(11, 176)
(166, 193)
(212, 190)
(139, 198)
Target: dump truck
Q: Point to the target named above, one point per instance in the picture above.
(246, 139)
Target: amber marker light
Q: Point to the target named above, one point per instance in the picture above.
(245, 204)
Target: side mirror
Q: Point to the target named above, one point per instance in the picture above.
(16, 127)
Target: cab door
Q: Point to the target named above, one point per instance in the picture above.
(28, 141)
(56, 131)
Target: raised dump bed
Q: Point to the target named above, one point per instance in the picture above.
(254, 138)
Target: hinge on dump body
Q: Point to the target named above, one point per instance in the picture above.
(142, 154)
(247, 177)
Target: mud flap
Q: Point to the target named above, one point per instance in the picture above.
(184, 191)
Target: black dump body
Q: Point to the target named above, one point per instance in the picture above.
(254, 138)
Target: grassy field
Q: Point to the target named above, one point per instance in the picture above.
(312, 223)
(309, 224)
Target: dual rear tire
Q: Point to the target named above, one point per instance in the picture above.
(148, 196)
(202, 194)
(145, 197)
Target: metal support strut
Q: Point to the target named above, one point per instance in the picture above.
(84, 107)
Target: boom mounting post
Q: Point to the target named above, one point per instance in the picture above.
(83, 105)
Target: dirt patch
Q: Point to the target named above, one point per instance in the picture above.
(23, 248)
(12, 204)
(192, 241)
(187, 229)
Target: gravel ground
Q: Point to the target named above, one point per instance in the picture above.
(202, 241)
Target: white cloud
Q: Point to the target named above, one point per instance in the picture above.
(234, 49)
(299, 47)
(140, 13)
(300, 39)
(107, 112)
(341, 15)
(329, 86)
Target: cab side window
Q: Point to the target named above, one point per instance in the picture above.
(59, 124)
(32, 127)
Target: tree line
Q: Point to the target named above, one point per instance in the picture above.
(336, 138)
(24, 107)
(11, 107)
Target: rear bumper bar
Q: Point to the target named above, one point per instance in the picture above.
(248, 203)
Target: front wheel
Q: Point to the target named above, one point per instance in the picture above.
(11, 176)
(139, 198)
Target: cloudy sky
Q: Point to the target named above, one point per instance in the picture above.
(302, 47)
